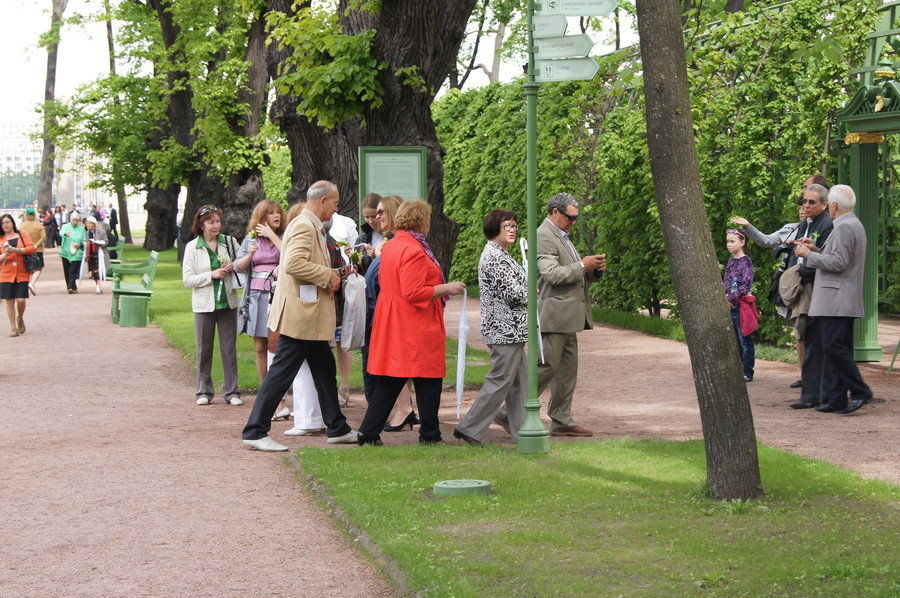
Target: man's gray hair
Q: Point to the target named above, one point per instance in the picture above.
(320, 189)
(560, 201)
(843, 197)
(819, 190)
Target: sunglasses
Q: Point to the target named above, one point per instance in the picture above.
(808, 202)
(206, 211)
(569, 217)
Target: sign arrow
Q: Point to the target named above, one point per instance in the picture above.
(572, 69)
(550, 26)
(578, 8)
(564, 46)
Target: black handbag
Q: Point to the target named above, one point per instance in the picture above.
(30, 260)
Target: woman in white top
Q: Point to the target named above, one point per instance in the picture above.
(208, 270)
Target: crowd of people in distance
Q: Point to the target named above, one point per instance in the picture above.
(84, 250)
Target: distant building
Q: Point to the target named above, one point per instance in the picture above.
(20, 166)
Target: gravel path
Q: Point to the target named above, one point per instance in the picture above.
(639, 386)
(113, 483)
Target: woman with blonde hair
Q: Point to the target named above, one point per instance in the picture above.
(408, 335)
(258, 257)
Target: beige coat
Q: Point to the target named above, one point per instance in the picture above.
(302, 308)
(37, 233)
(563, 302)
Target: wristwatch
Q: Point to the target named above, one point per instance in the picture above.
(342, 271)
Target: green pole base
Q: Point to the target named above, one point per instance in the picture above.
(533, 445)
(867, 352)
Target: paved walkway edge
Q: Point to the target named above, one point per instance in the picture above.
(358, 536)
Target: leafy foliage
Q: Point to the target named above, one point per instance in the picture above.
(761, 104)
(333, 74)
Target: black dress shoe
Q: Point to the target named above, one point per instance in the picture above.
(362, 440)
(429, 440)
(466, 438)
(797, 384)
(826, 408)
(803, 405)
(854, 404)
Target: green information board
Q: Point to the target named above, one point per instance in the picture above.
(393, 171)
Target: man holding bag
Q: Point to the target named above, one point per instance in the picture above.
(303, 313)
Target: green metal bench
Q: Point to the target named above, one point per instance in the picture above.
(119, 247)
(136, 293)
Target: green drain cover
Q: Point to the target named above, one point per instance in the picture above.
(462, 488)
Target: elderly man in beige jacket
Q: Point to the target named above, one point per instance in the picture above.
(303, 313)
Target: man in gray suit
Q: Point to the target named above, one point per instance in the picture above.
(836, 300)
(563, 311)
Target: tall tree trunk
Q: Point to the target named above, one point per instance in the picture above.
(426, 34)
(731, 460)
(121, 199)
(734, 6)
(48, 152)
(162, 212)
(316, 153)
(203, 187)
(245, 188)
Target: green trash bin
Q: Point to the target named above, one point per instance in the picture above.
(134, 311)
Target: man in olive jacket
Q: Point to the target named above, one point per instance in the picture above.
(563, 310)
(837, 299)
(303, 313)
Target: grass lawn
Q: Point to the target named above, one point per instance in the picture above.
(615, 518)
(672, 329)
(170, 308)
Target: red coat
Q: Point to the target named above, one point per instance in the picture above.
(13, 269)
(408, 336)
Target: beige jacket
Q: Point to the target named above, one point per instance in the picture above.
(797, 297)
(36, 231)
(563, 302)
(301, 307)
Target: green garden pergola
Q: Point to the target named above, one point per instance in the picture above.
(866, 159)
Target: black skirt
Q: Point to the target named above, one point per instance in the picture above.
(14, 290)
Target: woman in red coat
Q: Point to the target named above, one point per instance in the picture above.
(13, 275)
(408, 336)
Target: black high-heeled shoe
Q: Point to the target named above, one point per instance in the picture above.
(411, 420)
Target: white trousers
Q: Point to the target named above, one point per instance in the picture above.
(307, 414)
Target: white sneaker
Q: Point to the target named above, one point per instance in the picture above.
(302, 431)
(348, 438)
(234, 400)
(99, 291)
(265, 444)
(204, 400)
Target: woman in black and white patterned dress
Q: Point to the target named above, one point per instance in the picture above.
(504, 325)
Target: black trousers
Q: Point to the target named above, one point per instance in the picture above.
(368, 379)
(71, 270)
(813, 364)
(289, 356)
(387, 389)
(841, 374)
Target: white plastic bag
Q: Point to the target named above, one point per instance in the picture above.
(353, 328)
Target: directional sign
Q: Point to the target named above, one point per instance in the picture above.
(578, 8)
(572, 69)
(564, 46)
(550, 26)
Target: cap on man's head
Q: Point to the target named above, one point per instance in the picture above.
(30, 211)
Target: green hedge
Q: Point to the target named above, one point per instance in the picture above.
(763, 88)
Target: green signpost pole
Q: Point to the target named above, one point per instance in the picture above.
(533, 437)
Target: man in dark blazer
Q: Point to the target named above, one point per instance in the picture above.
(113, 219)
(564, 309)
(836, 300)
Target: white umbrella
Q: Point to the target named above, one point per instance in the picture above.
(523, 245)
(461, 354)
